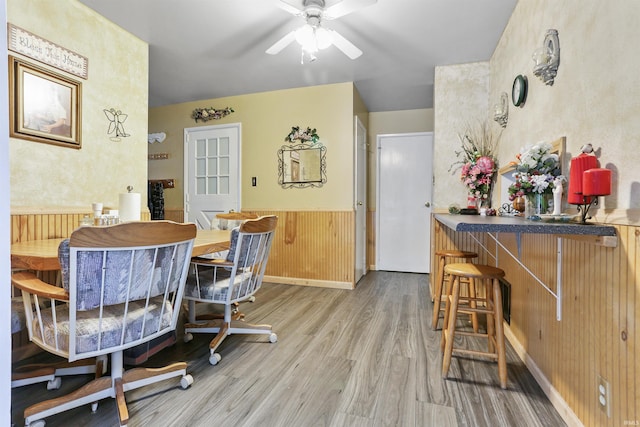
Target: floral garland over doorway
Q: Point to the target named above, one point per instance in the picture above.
(210, 113)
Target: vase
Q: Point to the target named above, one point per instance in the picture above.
(537, 204)
(519, 204)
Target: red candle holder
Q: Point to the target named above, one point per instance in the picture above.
(596, 182)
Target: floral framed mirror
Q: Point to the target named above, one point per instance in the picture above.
(302, 165)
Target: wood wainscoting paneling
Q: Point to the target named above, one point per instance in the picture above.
(598, 334)
(313, 248)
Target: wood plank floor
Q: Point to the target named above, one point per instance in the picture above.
(366, 357)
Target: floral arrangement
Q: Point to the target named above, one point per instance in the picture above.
(206, 114)
(303, 136)
(477, 161)
(536, 170)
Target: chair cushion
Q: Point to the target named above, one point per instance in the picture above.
(88, 325)
(217, 290)
(18, 318)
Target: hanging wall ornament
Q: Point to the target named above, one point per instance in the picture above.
(116, 119)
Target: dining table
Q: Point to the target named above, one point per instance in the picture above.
(42, 255)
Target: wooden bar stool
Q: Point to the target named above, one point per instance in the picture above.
(443, 256)
(490, 276)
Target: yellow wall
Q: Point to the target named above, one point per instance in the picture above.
(46, 176)
(266, 119)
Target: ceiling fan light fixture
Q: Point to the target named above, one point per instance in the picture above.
(313, 38)
(324, 38)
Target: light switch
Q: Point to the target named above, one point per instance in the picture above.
(254, 181)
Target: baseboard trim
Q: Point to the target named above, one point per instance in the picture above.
(556, 399)
(308, 282)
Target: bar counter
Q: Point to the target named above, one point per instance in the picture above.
(504, 224)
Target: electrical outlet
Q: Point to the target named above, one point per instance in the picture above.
(604, 396)
(254, 181)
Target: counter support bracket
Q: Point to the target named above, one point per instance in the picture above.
(558, 294)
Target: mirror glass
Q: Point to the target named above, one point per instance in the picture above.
(302, 165)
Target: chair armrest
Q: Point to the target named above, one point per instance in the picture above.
(30, 283)
(212, 262)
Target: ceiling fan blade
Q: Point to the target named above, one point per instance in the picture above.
(345, 7)
(345, 45)
(284, 5)
(282, 43)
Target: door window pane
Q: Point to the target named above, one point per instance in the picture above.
(201, 167)
(224, 146)
(201, 148)
(213, 185)
(212, 146)
(224, 166)
(213, 166)
(201, 186)
(224, 185)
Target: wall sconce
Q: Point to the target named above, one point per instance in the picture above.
(156, 137)
(547, 58)
(501, 110)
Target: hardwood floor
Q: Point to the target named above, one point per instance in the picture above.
(366, 357)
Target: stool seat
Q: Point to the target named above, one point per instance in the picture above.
(442, 255)
(491, 306)
(474, 271)
(454, 253)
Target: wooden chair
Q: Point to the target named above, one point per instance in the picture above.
(491, 306)
(232, 280)
(122, 286)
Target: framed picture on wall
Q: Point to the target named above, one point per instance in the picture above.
(43, 106)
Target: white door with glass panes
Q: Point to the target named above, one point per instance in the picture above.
(212, 172)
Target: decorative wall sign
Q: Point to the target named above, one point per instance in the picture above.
(43, 106)
(28, 44)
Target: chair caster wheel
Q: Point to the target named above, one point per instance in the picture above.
(215, 358)
(252, 299)
(273, 337)
(186, 381)
(187, 337)
(37, 423)
(54, 384)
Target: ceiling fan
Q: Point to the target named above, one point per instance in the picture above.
(312, 36)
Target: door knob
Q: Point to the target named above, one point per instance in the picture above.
(359, 203)
(427, 204)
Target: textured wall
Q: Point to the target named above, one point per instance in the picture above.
(596, 95)
(460, 100)
(44, 175)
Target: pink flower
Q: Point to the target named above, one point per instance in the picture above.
(485, 164)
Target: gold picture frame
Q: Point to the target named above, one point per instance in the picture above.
(43, 106)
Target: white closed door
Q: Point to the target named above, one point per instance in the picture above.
(212, 172)
(403, 208)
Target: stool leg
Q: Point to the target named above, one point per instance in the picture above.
(449, 327)
(502, 361)
(473, 304)
(491, 320)
(447, 308)
(438, 294)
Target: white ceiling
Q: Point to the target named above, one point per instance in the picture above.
(202, 49)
